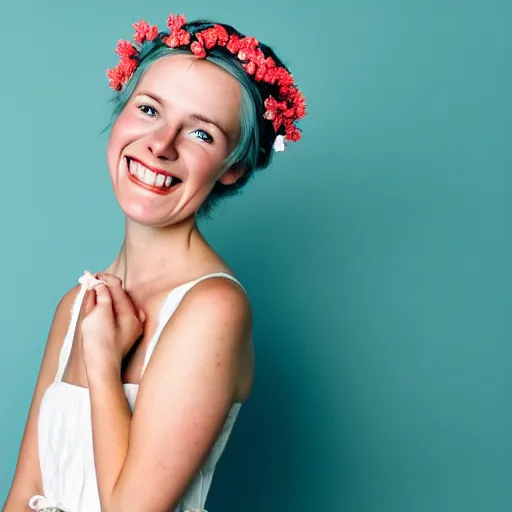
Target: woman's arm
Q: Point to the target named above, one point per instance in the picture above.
(27, 477)
(146, 462)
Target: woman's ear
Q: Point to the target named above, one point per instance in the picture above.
(232, 175)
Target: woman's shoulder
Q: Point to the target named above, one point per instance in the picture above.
(212, 322)
(55, 339)
(221, 305)
(64, 308)
(60, 323)
(219, 291)
(210, 279)
(68, 299)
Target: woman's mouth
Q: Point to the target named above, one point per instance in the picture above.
(150, 180)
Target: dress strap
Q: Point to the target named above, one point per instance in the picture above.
(65, 350)
(170, 305)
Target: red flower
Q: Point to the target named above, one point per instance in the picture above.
(125, 50)
(198, 49)
(275, 106)
(119, 75)
(176, 22)
(222, 35)
(177, 36)
(234, 43)
(207, 39)
(284, 77)
(300, 105)
(247, 48)
(215, 35)
(271, 76)
(114, 78)
(257, 56)
(275, 111)
(264, 69)
(128, 66)
(292, 133)
(289, 113)
(248, 44)
(250, 67)
(144, 31)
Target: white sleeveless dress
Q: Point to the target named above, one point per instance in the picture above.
(65, 430)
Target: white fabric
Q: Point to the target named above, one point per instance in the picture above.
(89, 281)
(65, 431)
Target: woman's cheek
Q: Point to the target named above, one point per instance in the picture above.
(126, 125)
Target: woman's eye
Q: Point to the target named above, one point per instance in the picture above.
(150, 111)
(205, 137)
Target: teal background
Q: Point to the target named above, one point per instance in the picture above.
(375, 251)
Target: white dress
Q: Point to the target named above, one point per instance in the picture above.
(65, 430)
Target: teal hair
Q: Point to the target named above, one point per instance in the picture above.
(247, 153)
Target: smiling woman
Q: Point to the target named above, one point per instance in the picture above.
(148, 362)
(261, 79)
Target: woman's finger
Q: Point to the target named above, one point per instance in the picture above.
(123, 304)
(89, 302)
(103, 296)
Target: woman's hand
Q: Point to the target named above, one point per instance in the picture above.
(110, 326)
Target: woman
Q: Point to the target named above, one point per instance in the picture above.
(199, 108)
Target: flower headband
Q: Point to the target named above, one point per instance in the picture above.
(283, 111)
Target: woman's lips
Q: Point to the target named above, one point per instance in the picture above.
(155, 181)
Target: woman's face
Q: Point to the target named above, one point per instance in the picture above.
(167, 146)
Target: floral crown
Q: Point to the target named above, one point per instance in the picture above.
(283, 111)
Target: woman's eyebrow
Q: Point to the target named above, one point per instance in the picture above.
(207, 120)
(151, 95)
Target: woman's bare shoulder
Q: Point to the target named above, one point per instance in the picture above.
(62, 315)
(56, 335)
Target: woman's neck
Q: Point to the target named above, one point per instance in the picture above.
(149, 255)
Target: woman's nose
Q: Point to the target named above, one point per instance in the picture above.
(162, 143)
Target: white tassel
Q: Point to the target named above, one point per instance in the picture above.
(36, 502)
(41, 504)
(89, 281)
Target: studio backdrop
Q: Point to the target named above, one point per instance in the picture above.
(376, 251)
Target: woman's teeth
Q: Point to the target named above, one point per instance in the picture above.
(149, 177)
